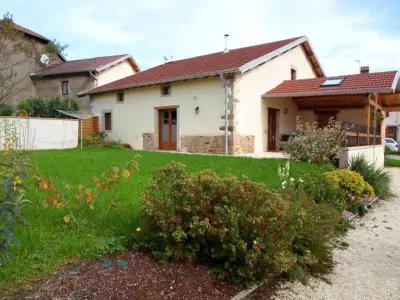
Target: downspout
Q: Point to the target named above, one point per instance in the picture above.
(221, 75)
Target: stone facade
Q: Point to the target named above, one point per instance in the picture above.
(216, 144)
(51, 86)
(148, 141)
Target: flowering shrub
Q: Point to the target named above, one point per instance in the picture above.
(351, 182)
(245, 231)
(313, 144)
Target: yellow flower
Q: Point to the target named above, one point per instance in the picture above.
(255, 242)
(308, 251)
(138, 229)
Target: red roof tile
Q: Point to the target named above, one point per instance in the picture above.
(366, 82)
(78, 66)
(194, 67)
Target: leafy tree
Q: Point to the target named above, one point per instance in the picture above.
(47, 108)
(17, 49)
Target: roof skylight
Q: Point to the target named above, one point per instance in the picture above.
(332, 81)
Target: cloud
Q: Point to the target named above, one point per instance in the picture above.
(340, 31)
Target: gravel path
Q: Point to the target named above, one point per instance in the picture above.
(369, 268)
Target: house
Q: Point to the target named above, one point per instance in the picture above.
(393, 125)
(22, 65)
(55, 76)
(68, 78)
(180, 105)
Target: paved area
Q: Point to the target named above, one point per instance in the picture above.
(393, 156)
(263, 155)
(369, 268)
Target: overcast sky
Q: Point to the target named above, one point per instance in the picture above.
(340, 32)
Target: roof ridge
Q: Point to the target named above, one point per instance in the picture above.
(106, 56)
(234, 49)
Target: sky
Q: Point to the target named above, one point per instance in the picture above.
(341, 32)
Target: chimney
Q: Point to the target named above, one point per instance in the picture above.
(364, 69)
(226, 50)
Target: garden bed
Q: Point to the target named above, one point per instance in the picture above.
(136, 276)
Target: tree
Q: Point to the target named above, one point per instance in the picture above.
(19, 56)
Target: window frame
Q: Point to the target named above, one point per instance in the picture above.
(105, 121)
(66, 82)
(120, 95)
(169, 90)
(338, 81)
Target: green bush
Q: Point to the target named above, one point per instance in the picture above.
(47, 108)
(6, 110)
(245, 231)
(377, 177)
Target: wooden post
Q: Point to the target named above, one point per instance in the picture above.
(368, 121)
(358, 138)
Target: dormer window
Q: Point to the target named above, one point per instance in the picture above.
(332, 81)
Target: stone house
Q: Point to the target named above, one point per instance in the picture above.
(59, 77)
(22, 65)
(68, 78)
(180, 105)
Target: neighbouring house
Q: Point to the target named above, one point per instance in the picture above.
(22, 65)
(393, 125)
(67, 79)
(55, 76)
(180, 105)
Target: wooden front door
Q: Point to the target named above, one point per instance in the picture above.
(323, 117)
(167, 129)
(272, 129)
(391, 132)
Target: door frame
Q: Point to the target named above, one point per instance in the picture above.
(158, 118)
(275, 112)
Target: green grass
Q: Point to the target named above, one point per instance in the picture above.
(48, 242)
(392, 162)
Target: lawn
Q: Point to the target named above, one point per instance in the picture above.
(392, 162)
(48, 242)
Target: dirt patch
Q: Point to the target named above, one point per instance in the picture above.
(133, 275)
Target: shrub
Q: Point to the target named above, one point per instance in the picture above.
(378, 178)
(47, 108)
(6, 110)
(313, 144)
(245, 231)
(352, 183)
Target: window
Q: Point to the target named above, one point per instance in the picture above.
(166, 90)
(293, 74)
(120, 98)
(333, 81)
(64, 87)
(107, 121)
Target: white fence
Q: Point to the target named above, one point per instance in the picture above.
(42, 133)
(374, 154)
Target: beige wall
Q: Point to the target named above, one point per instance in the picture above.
(116, 72)
(251, 114)
(373, 154)
(51, 87)
(137, 115)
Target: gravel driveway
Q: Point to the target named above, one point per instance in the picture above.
(370, 267)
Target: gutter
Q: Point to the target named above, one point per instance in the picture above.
(226, 100)
(322, 93)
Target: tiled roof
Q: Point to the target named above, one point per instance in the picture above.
(31, 33)
(365, 82)
(195, 67)
(79, 65)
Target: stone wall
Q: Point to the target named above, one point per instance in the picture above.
(51, 87)
(148, 141)
(216, 144)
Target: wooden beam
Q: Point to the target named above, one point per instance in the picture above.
(392, 108)
(372, 102)
(368, 120)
